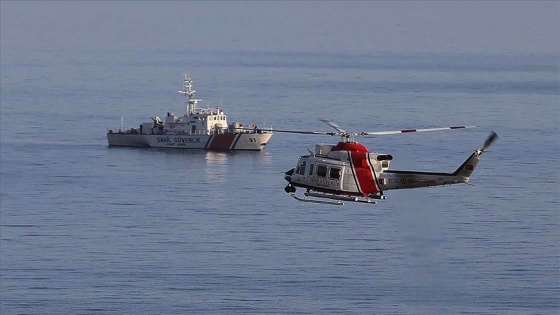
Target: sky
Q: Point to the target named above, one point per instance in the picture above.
(486, 27)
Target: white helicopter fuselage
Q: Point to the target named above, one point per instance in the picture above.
(348, 169)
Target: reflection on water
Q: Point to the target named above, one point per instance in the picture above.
(196, 166)
(216, 168)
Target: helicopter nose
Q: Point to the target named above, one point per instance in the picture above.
(288, 175)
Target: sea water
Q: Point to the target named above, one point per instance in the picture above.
(91, 229)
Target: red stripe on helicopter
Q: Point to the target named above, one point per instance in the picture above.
(364, 173)
(222, 142)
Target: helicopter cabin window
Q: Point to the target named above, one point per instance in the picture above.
(334, 173)
(302, 168)
(321, 171)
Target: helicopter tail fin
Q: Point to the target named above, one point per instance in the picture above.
(466, 169)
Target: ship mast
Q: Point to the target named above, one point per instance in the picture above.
(189, 92)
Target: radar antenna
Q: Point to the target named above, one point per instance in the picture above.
(189, 92)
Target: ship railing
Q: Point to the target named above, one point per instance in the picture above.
(124, 130)
(155, 131)
(253, 130)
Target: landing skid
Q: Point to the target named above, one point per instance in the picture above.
(336, 199)
(305, 199)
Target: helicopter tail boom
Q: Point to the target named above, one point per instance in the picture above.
(392, 179)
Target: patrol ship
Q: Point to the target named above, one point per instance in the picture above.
(199, 128)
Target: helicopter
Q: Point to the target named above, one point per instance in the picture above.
(347, 171)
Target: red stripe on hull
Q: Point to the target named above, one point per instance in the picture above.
(363, 173)
(222, 142)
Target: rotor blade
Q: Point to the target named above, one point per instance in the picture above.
(332, 124)
(305, 132)
(489, 140)
(383, 133)
(294, 131)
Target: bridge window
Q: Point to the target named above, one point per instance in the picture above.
(334, 173)
(321, 171)
(311, 169)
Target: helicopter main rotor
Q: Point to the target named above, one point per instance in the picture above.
(345, 135)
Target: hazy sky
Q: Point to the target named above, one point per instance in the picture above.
(502, 27)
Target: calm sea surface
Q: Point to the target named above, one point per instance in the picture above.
(88, 229)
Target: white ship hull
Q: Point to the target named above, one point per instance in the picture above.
(226, 141)
(199, 128)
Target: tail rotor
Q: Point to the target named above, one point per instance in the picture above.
(492, 137)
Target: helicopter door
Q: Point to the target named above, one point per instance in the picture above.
(335, 173)
(348, 180)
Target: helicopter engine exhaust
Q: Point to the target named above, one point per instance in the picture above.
(384, 157)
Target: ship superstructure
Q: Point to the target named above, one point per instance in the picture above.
(198, 128)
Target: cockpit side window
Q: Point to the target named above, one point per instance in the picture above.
(302, 168)
(321, 170)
